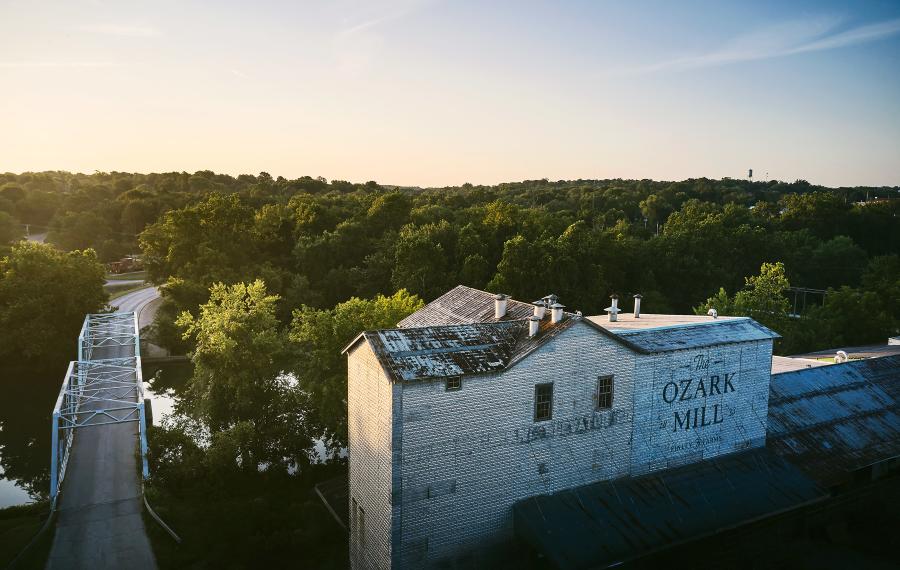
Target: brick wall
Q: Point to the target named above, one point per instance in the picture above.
(696, 404)
(370, 426)
(469, 455)
(461, 459)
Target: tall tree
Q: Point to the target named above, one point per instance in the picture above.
(321, 334)
(239, 388)
(44, 297)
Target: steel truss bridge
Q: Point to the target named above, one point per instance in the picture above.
(104, 386)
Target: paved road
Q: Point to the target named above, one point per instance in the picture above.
(136, 302)
(100, 523)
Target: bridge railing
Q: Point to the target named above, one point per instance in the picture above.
(98, 391)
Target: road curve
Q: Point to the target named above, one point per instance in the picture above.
(136, 301)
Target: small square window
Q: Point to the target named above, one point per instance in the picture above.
(604, 392)
(543, 402)
(453, 383)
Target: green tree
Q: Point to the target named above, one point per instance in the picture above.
(762, 298)
(256, 412)
(44, 297)
(522, 269)
(423, 257)
(320, 335)
(10, 229)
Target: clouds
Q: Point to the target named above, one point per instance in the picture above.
(54, 64)
(778, 40)
(121, 30)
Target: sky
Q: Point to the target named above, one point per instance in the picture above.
(433, 93)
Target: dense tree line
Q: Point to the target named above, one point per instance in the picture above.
(265, 280)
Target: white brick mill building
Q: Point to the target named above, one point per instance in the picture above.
(476, 403)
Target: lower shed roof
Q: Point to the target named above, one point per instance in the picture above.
(835, 419)
(606, 523)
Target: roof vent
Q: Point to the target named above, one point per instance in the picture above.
(840, 357)
(637, 305)
(534, 322)
(713, 313)
(613, 310)
(500, 306)
(556, 312)
(540, 308)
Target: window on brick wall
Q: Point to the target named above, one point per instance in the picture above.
(604, 397)
(453, 383)
(543, 402)
(358, 521)
(362, 526)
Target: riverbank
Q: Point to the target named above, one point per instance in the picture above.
(262, 520)
(18, 526)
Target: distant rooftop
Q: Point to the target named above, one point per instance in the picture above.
(791, 364)
(463, 305)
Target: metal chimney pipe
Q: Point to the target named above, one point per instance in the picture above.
(637, 306)
(540, 309)
(534, 322)
(500, 306)
(614, 309)
(556, 312)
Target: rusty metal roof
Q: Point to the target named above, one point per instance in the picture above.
(462, 305)
(832, 420)
(606, 523)
(421, 353)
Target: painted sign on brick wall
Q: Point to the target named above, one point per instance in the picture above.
(700, 404)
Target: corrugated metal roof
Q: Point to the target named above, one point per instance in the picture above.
(606, 523)
(695, 335)
(835, 419)
(462, 305)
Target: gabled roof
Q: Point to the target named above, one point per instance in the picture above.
(832, 420)
(457, 334)
(462, 305)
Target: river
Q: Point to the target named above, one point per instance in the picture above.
(25, 408)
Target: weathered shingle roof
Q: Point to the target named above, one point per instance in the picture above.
(832, 420)
(601, 524)
(462, 305)
(421, 353)
(706, 333)
(434, 352)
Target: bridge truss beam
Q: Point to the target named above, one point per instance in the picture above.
(99, 388)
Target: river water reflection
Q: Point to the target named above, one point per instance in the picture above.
(26, 403)
(27, 397)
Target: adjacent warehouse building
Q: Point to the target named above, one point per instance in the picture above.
(480, 419)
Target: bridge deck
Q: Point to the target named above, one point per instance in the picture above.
(100, 523)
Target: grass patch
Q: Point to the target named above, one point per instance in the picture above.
(127, 276)
(116, 291)
(250, 522)
(18, 525)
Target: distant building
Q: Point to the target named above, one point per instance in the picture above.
(481, 418)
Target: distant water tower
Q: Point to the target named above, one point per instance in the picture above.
(750, 175)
